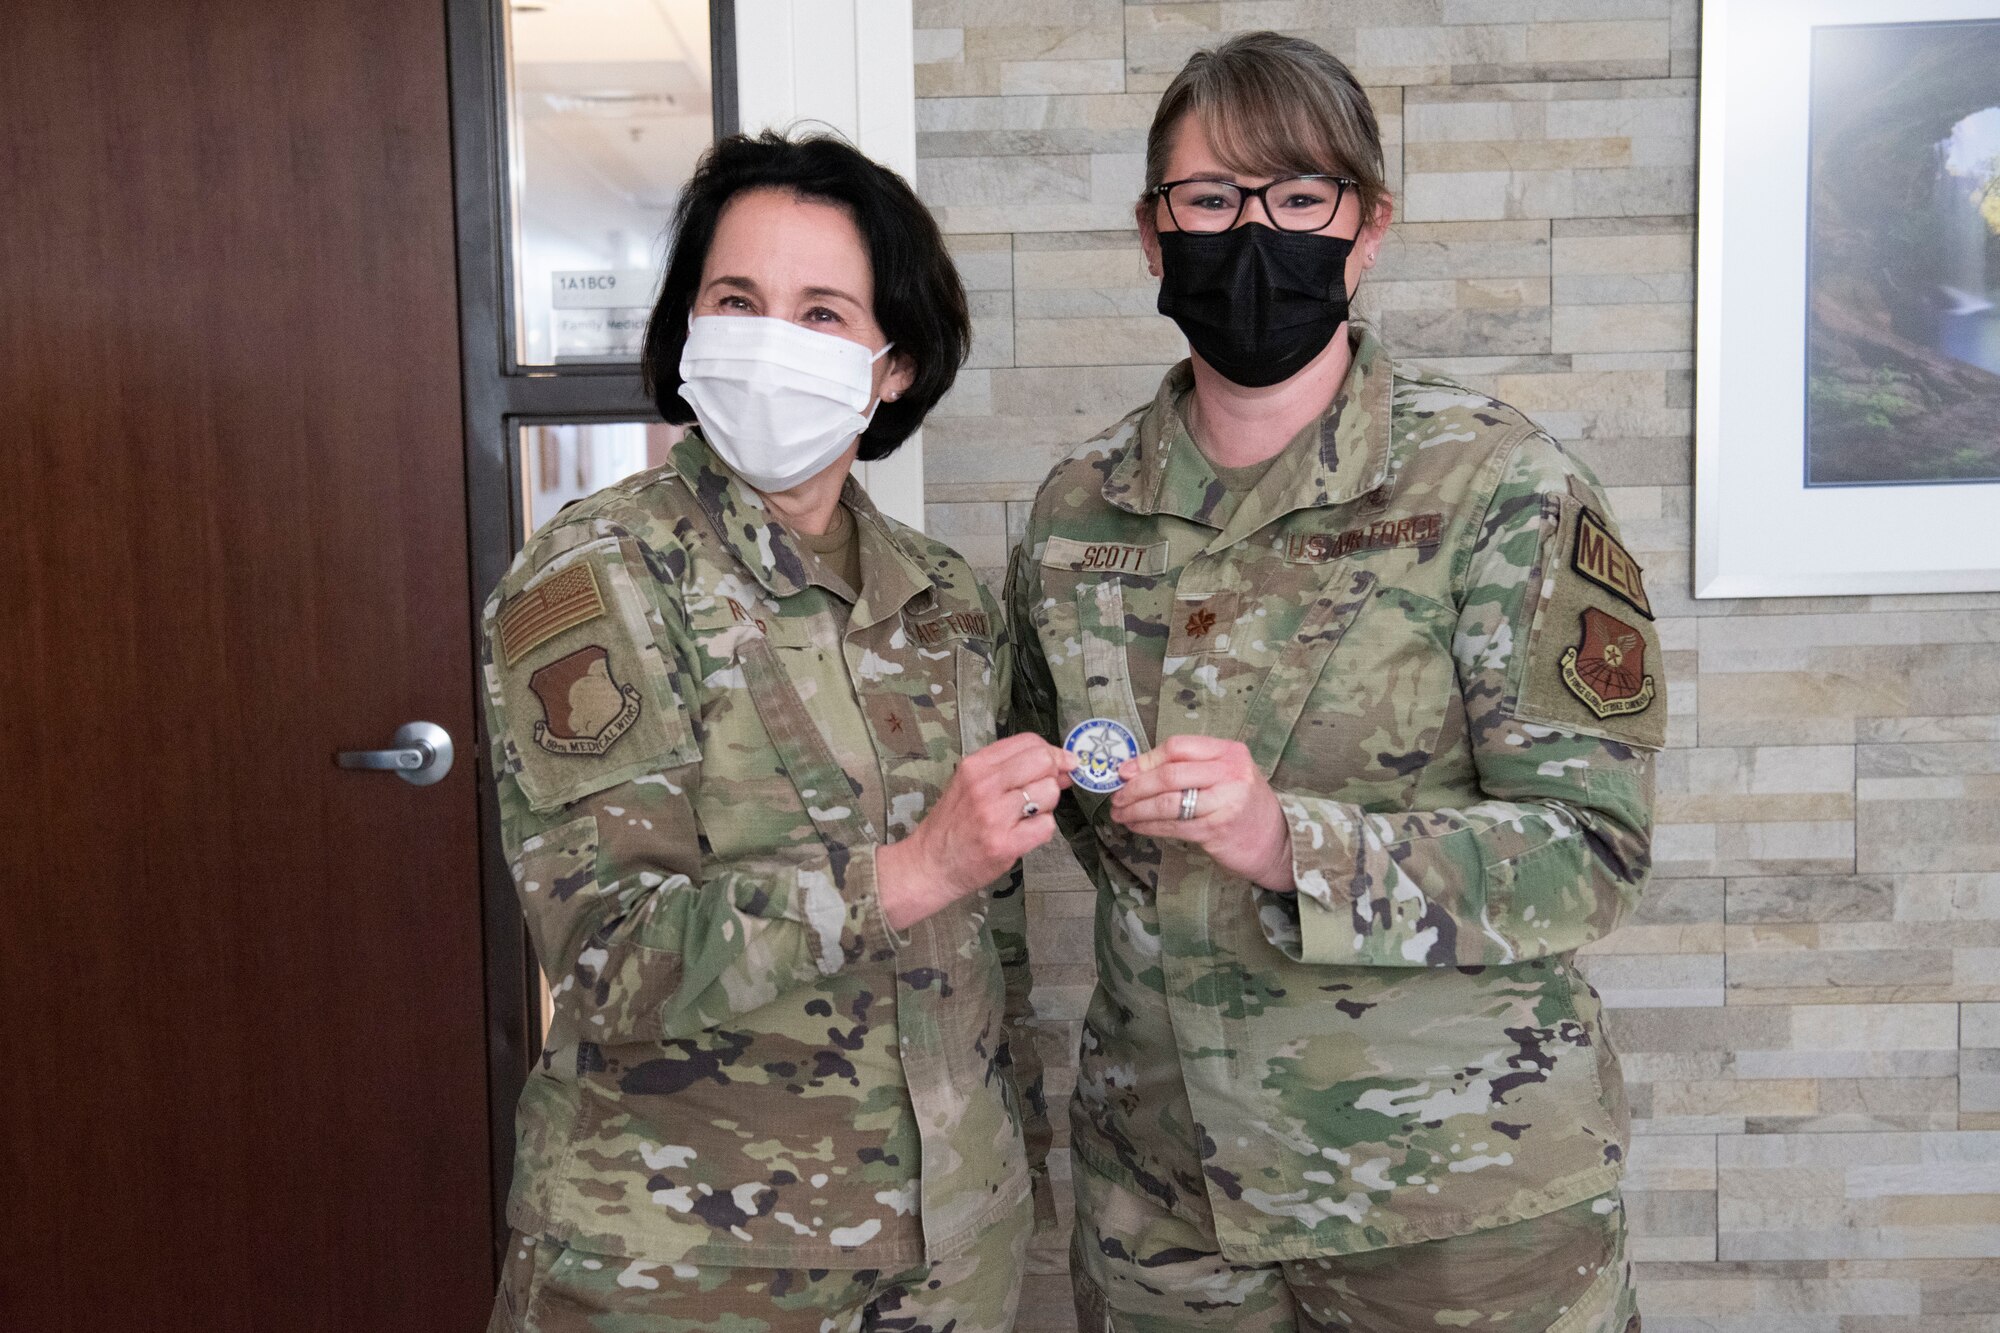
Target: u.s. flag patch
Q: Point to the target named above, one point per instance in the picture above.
(561, 601)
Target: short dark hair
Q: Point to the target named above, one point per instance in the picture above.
(1272, 104)
(919, 301)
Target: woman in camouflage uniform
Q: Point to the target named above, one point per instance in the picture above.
(1391, 674)
(743, 726)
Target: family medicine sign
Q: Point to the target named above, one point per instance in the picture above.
(600, 315)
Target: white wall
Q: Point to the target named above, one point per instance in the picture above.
(848, 65)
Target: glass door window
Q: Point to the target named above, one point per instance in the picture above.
(610, 103)
(575, 124)
(567, 461)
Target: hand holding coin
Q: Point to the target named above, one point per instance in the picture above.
(994, 811)
(1209, 792)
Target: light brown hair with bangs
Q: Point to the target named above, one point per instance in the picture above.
(1273, 105)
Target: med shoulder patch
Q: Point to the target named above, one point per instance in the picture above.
(1593, 657)
(1597, 555)
(586, 698)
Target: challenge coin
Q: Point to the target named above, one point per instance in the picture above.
(1102, 745)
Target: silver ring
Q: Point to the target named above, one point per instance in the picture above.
(1188, 798)
(1028, 807)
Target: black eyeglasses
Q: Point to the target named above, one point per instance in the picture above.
(1296, 203)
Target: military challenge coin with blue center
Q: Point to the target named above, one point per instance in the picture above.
(1100, 745)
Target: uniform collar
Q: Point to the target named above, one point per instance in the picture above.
(1340, 456)
(892, 575)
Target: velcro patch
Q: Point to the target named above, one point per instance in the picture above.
(953, 625)
(1598, 557)
(584, 697)
(562, 601)
(1606, 667)
(584, 710)
(741, 615)
(1590, 661)
(1110, 557)
(1317, 548)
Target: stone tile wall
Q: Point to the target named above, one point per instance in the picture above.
(1809, 1000)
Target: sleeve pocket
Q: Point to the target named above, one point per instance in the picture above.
(587, 697)
(556, 878)
(1593, 658)
(605, 979)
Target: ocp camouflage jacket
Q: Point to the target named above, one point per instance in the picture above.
(746, 1064)
(1422, 625)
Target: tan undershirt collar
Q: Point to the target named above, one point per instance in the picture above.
(838, 548)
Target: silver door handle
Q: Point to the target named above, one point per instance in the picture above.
(421, 756)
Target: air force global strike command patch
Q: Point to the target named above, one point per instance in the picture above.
(1607, 667)
(1100, 746)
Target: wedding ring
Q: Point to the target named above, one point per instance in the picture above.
(1188, 798)
(1028, 807)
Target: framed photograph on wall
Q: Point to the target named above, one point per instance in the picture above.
(1847, 371)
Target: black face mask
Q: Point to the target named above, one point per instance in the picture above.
(1257, 303)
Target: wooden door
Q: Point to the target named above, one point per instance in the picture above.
(245, 1084)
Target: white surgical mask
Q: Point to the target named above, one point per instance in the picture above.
(779, 403)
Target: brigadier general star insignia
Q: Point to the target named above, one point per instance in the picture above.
(1607, 670)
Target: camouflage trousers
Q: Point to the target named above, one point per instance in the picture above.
(547, 1287)
(1138, 1269)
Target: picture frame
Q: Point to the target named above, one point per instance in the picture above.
(1847, 367)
